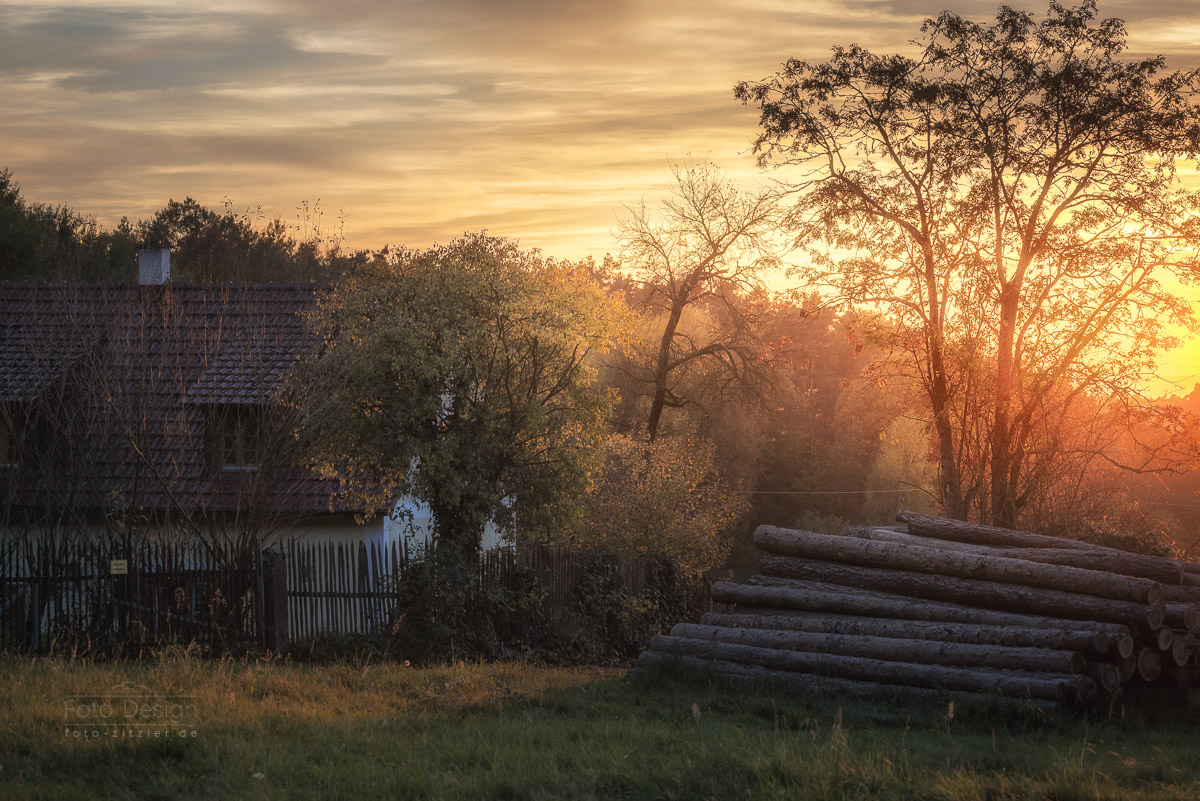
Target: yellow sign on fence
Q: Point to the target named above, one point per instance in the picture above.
(119, 567)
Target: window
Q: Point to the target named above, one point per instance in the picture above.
(237, 440)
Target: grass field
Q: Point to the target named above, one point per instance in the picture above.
(361, 731)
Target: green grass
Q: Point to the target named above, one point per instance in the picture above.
(362, 731)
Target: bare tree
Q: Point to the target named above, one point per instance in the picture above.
(706, 249)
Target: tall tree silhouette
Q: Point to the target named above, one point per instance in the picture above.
(1010, 196)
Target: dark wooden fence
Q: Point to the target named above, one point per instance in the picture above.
(340, 587)
(100, 595)
(219, 594)
(348, 587)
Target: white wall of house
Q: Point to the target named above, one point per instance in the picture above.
(409, 524)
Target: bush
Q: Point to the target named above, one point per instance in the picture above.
(618, 623)
(1143, 533)
(432, 621)
(604, 622)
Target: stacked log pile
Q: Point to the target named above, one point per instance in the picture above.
(941, 605)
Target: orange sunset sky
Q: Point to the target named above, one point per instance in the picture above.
(413, 121)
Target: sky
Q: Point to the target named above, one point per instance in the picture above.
(411, 121)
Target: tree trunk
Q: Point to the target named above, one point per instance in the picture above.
(1005, 467)
(662, 367)
(937, 389)
(778, 596)
(973, 592)
(458, 533)
(894, 556)
(1095, 642)
(893, 649)
(1051, 686)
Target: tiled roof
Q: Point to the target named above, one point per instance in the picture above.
(117, 383)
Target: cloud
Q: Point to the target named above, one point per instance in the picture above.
(417, 118)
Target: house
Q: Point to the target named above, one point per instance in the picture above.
(159, 405)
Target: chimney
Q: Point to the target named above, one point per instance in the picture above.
(154, 266)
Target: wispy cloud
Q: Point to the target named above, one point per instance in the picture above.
(419, 119)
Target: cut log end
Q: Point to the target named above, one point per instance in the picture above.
(1149, 664)
(1105, 675)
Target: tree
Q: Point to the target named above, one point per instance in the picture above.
(459, 376)
(707, 252)
(1009, 196)
(224, 247)
(666, 498)
(44, 243)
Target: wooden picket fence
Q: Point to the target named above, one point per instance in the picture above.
(162, 592)
(189, 591)
(347, 587)
(340, 587)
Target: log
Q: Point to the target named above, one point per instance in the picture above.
(1173, 594)
(1094, 642)
(1106, 675)
(977, 534)
(1183, 616)
(1149, 664)
(774, 596)
(894, 649)
(1049, 686)
(1181, 649)
(1124, 644)
(811, 682)
(1163, 638)
(1180, 677)
(975, 592)
(984, 567)
(807, 681)
(1166, 570)
(904, 538)
(1127, 667)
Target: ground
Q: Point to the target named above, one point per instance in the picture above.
(362, 730)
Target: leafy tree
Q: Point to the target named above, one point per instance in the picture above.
(228, 246)
(44, 243)
(1009, 196)
(459, 376)
(902, 463)
(662, 498)
(54, 243)
(705, 254)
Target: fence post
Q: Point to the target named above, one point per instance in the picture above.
(35, 617)
(275, 606)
